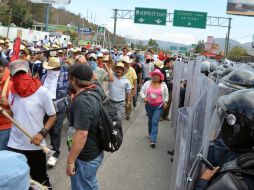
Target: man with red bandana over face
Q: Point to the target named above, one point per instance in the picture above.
(29, 102)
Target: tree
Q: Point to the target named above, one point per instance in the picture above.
(200, 47)
(4, 10)
(237, 53)
(153, 45)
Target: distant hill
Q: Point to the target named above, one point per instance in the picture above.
(25, 14)
(162, 44)
(221, 41)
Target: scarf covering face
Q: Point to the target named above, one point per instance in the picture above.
(24, 85)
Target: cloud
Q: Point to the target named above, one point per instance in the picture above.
(128, 29)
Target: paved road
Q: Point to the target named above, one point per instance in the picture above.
(134, 166)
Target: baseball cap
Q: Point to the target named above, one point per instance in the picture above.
(19, 65)
(81, 71)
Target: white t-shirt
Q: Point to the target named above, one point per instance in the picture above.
(29, 113)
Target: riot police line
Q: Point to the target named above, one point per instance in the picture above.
(216, 123)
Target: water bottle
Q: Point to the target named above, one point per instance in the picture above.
(70, 135)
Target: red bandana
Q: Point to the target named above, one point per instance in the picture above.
(24, 85)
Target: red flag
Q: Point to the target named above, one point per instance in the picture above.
(16, 49)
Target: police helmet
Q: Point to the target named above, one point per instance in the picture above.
(237, 129)
(239, 79)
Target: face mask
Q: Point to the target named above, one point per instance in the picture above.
(93, 64)
(148, 61)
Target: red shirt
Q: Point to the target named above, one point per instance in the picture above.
(4, 122)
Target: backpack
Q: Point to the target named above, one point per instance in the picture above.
(110, 126)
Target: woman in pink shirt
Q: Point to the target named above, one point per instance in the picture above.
(155, 94)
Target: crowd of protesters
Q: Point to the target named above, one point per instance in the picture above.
(40, 85)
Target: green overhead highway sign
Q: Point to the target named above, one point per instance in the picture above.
(173, 48)
(182, 49)
(190, 19)
(193, 46)
(101, 29)
(150, 16)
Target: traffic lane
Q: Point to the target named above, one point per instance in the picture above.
(136, 165)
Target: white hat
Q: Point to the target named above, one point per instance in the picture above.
(126, 59)
(93, 55)
(100, 55)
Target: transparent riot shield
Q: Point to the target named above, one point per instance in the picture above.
(189, 77)
(178, 72)
(182, 150)
(196, 141)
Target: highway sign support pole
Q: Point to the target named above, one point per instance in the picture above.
(47, 17)
(115, 20)
(228, 36)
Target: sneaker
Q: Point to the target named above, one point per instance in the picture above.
(152, 144)
(52, 161)
(134, 108)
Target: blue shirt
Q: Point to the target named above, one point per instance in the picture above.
(118, 88)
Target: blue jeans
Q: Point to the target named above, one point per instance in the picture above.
(85, 176)
(4, 138)
(154, 114)
(55, 132)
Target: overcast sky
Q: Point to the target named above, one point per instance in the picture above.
(242, 26)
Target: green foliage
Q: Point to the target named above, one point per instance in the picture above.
(4, 9)
(73, 35)
(141, 46)
(237, 53)
(200, 47)
(25, 14)
(153, 45)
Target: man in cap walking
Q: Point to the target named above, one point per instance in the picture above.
(86, 155)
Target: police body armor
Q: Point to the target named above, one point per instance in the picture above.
(232, 177)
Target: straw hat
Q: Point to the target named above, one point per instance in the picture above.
(53, 63)
(159, 64)
(126, 59)
(120, 64)
(106, 58)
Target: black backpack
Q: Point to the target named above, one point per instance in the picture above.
(110, 126)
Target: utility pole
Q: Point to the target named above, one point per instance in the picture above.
(115, 20)
(83, 28)
(47, 17)
(87, 15)
(9, 23)
(228, 37)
